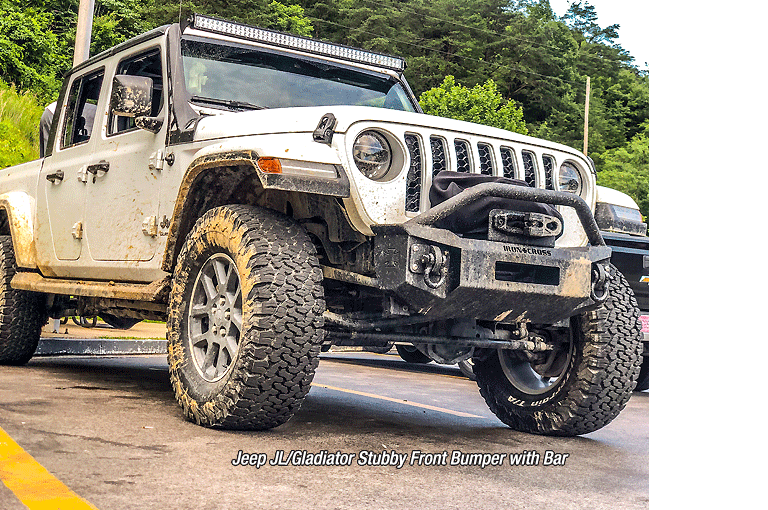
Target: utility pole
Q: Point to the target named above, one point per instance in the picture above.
(586, 117)
(83, 36)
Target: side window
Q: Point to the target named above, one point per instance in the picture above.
(81, 109)
(149, 65)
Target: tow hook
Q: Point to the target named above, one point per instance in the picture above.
(431, 261)
(600, 283)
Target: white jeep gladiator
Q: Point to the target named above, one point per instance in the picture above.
(270, 196)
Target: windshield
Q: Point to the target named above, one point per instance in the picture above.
(238, 77)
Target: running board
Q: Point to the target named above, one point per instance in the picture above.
(156, 291)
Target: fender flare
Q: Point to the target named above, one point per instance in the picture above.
(247, 159)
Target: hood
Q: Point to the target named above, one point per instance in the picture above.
(305, 120)
(615, 197)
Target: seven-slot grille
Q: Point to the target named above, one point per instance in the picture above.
(529, 168)
(438, 154)
(463, 155)
(433, 154)
(508, 162)
(413, 179)
(486, 158)
(549, 168)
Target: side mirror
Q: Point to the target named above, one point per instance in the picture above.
(131, 96)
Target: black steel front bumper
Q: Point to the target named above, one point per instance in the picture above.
(488, 280)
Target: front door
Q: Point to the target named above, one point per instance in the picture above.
(123, 197)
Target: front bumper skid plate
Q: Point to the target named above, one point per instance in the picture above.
(444, 276)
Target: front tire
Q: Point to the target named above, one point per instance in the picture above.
(22, 313)
(583, 386)
(245, 322)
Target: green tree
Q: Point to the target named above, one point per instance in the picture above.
(264, 13)
(115, 21)
(626, 169)
(29, 52)
(583, 17)
(482, 104)
(37, 38)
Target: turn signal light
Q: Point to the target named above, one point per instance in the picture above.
(270, 165)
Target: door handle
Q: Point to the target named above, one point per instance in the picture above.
(101, 166)
(58, 175)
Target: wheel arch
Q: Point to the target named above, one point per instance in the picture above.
(233, 177)
(17, 221)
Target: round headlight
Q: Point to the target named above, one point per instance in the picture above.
(570, 179)
(372, 155)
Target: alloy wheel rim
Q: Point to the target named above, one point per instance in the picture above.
(540, 378)
(215, 317)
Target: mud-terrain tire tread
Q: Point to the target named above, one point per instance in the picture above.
(22, 313)
(600, 378)
(282, 330)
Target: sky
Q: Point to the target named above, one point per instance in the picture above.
(634, 35)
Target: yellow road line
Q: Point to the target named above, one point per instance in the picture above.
(32, 483)
(399, 401)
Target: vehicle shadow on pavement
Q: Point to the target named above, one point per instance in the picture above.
(107, 373)
(394, 363)
(325, 413)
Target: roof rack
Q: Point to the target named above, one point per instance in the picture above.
(274, 38)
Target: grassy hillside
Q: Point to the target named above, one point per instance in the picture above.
(19, 120)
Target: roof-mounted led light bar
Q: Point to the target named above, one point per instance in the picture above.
(296, 42)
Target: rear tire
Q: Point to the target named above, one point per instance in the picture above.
(589, 385)
(467, 368)
(411, 354)
(86, 322)
(119, 322)
(22, 313)
(245, 321)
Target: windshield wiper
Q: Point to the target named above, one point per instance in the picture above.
(229, 103)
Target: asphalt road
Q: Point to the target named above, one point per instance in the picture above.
(109, 429)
